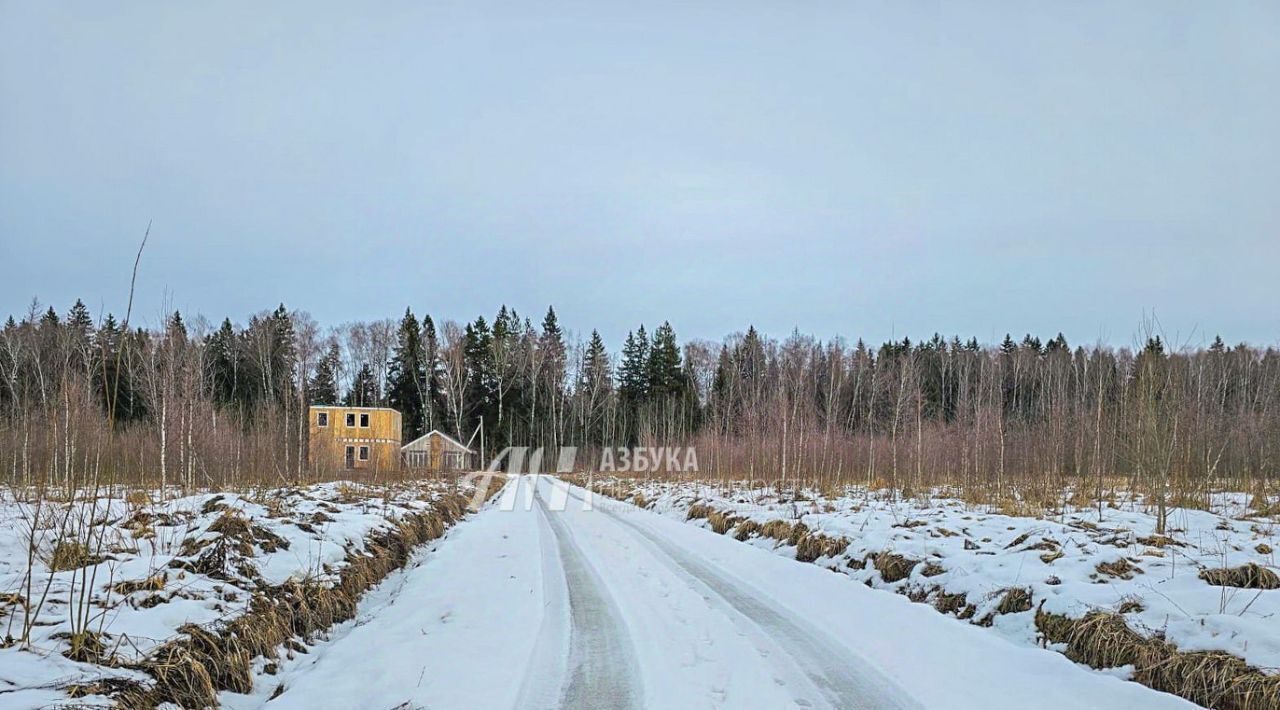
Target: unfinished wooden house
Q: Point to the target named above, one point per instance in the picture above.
(354, 438)
(436, 451)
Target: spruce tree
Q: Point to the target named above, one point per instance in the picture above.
(323, 388)
(665, 377)
(434, 406)
(481, 385)
(364, 389)
(633, 372)
(406, 379)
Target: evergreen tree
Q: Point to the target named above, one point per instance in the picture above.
(434, 405)
(364, 389)
(323, 387)
(665, 377)
(406, 380)
(222, 361)
(633, 373)
(481, 384)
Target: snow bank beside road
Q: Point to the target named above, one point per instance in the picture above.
(102, 596)
(997, 570)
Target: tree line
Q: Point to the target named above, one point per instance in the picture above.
(193, 404)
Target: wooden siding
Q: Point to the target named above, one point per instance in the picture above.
(328, 445)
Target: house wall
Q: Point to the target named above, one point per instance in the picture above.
(327, 444)
(443, 455)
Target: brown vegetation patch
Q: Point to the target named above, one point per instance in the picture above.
(746, 529)
(1015, 600)
(798, 532)
(779, 530)
(721, 521)
(1250, 576)
(814, 546)
(1263, 548)
(699, 510)
(153, 583)
(950, 603)
(1122, 568)
(1210, 678)
(893, 567)
(932, 569)
(71, 554)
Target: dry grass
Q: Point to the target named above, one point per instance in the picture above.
(154, 583)
(1121, 568)
(894, 567)
(1250, 576)
(1212, 679)
(69, 555)
(813, 547)
(190, 670)
(722, 521)
(699, 510)
(746, 529)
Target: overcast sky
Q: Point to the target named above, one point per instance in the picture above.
(868, 169)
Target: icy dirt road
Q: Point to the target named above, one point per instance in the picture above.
(548, 605)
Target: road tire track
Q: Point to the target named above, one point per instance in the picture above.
(602, 671)
(844, 680)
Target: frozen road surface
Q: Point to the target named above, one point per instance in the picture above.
(537, 602)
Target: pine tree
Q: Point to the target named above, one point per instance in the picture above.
(323, 387)
(406, 380)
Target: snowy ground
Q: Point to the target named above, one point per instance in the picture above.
(538, 603)
(1075, 562)
(194, 559)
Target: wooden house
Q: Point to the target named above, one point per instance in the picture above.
(436, 451)
(354, 438)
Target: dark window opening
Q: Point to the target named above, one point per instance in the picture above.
(364, 421)
(364, 453)
(322, 419)
(351, 419)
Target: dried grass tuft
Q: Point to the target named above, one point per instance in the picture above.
(894, 567)
(1250, 576)
(814, 546)
(1209, 678)
(69, 555)
(721, 521)
(699, 510)
(746, 529)
(779, 530)
(153, 583)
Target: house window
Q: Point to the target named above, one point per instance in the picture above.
(364, 421)
(322, 419)
(364, 453)
(350, 459)
(351, 418)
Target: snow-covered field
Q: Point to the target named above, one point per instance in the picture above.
(964, 558)
(149, 568)
(540, 603)
(543, 601)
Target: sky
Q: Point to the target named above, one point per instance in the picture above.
(868, 169)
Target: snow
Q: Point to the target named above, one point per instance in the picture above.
(499, 613)
(981, 552)
(542, 602)
(315, 527)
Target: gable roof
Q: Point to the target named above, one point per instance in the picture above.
(442, 435)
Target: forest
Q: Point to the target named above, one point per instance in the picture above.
(197, 405)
